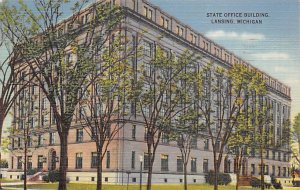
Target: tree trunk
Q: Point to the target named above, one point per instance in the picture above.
(25, 166)
(63, 165)
(149, 179)
(99, 170)
(216, 171)
(1, 127)
(150, 166)
(185, 175)
(262, 166)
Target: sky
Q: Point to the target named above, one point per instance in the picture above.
(272, 46)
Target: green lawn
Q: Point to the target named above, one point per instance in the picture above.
(77, 186)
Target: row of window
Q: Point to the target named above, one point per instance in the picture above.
(281, 171)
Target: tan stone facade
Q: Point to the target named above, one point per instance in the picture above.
(129, 144)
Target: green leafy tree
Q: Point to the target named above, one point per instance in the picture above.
(158, 94)
(105, 108)
(61, 54)
(10, 85)
(296, 135)
(221, 102)
(187, 124)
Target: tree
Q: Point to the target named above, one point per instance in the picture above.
(158, 95)
(24, 132)
(240, 141)
(10, 85)
(105, 108)
(296, 134)
(187, 124)
(221, 103)
(61, 54)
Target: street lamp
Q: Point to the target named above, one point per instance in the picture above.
(128, 173)
(141, 168)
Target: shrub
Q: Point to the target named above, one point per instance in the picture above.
(52, 176)
(223, 178)
(46, 178)
(32, 171)
(254, 182)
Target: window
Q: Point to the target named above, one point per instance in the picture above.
(29, 141)
(179, 164)
(194, 142)
(279, 171)
(132, 159)
(279, 156)
(40, 140)
(108, 159)
(165, 22)
(146, 163)
(79, 135)
(193, 164)
(12, 162)
(94, 160)
(164, 162)
(180, 31)
(44, 103)
(147, 49)
(32, 122)
(78, 163)
(146, 133)
(284, 172)
(164, 138)
(133, 131)
(19, 163)
(40, 162)
(205, 166)
(133, 5)
(206, 144)
(273, 170)
(252, 169)
(43, 120)
(51, 138)
(29, 162)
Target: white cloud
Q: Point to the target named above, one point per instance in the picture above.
(221, 34)
(271, 56)
(281, 69)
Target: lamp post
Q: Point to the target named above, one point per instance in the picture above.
(141, 168)
(128, 173)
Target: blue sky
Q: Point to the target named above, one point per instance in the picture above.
(273, 46)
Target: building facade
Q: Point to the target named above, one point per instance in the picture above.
(126, 152)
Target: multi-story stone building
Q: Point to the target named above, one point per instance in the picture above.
(124, 153)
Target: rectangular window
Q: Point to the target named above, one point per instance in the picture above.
(193, 164)
(146, 163)
(164, 138)
(31, 122)
(132, 159)
(252, 169)
(147, 49)
(108, 159)
(40, 162)
(206, 144)
(40, 140)
(94, 160)
(133, 131)
(44, 100)
(179, 164)
(12, 162)
(51, 138)
(29, 162)
(164, 162)
(19, 163)
(205, 166)
(273, 170)
(78, 163)
(79, 135)
(194, 142)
